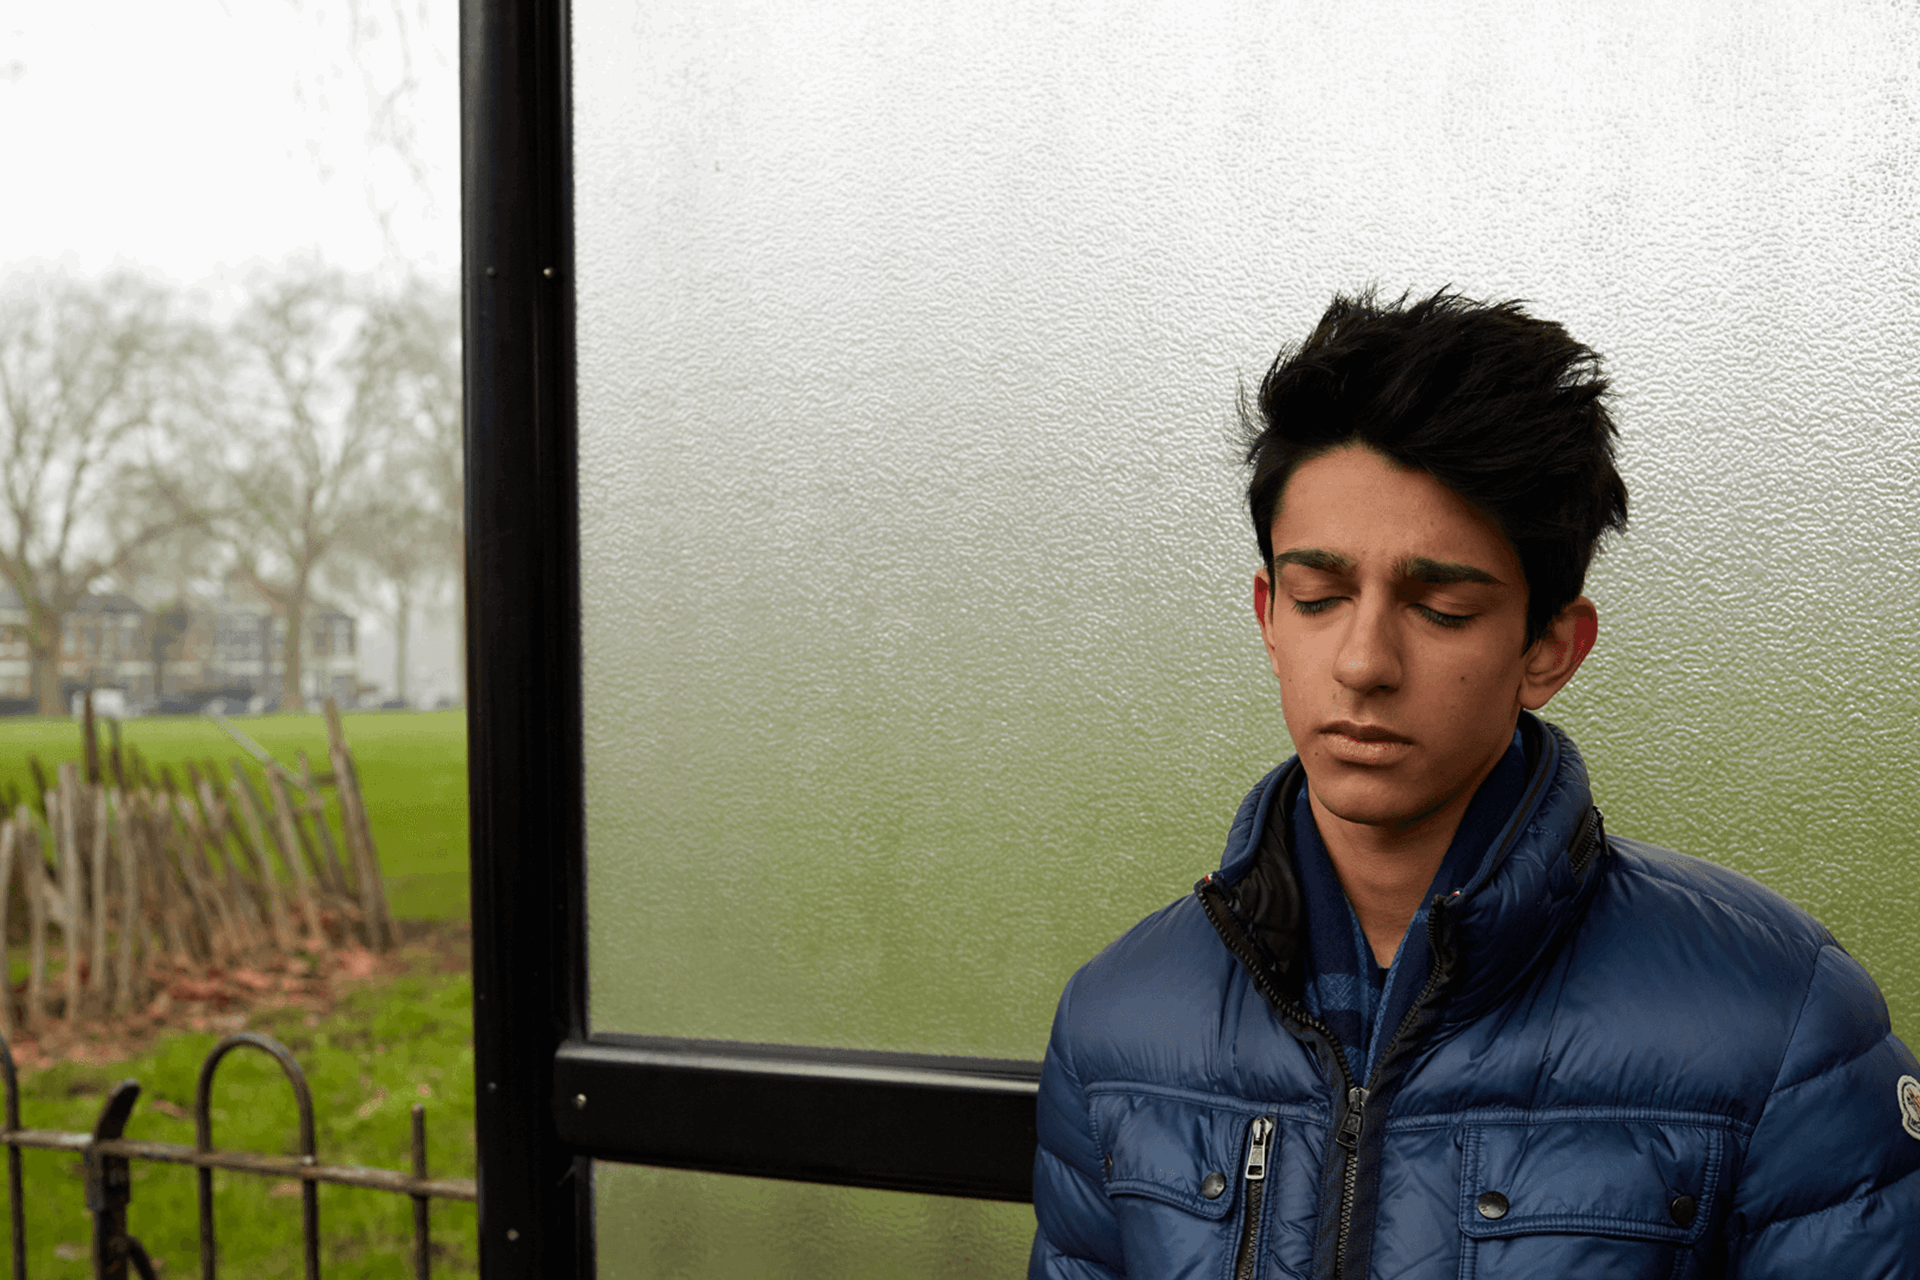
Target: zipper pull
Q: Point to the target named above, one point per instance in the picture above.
(1350, 1127)
(1261, 1133)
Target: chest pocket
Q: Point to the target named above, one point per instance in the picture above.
(1176, 1179)
(1600, 1199)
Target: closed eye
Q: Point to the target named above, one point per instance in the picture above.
(1440, 619)
(1311, 607)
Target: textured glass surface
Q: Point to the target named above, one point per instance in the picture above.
(918, 653)
(674, 1225)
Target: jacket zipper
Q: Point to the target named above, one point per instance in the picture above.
(1259, 1135)
(1349, 1138)
(1350, 1119)
(1353, 1117)
(1587, 844)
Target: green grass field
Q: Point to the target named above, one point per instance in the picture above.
(413, 769)
(379, 1051)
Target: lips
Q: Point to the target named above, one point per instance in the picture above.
(1365, 732)
(1364, 744)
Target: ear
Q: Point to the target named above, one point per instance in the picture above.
(1558, 653)
(1263, 610)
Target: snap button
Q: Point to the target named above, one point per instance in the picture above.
(1212, 1185)
(1682, 1211)
(1492, 1205)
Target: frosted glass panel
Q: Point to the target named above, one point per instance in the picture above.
(918, 653)
(674, 1225)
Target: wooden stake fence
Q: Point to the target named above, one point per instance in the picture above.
(141, 876)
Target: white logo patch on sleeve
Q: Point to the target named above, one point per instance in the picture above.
(1908, 1091)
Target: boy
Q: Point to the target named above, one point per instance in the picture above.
(1428, 1019)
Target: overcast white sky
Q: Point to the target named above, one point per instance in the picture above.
(194, 136)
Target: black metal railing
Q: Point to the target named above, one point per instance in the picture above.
(107, 1157)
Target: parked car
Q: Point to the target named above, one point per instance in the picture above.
(174, 704)
(192, 702)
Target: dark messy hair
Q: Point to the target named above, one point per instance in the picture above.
(1505, 409)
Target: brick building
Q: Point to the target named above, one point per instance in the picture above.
(177, 658)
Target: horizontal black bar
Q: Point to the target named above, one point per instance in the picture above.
(900, 1121)
(345, 1175)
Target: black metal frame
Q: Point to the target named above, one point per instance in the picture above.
(900, 1121)
(523, 663)
(551, 1096)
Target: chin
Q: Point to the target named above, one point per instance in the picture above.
(1373, 798)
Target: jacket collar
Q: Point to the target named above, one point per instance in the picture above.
(1529, 890)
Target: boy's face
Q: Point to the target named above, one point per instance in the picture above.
(1395, 624)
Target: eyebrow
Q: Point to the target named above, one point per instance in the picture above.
(1315, 558)
(1419, 568)
(1439, 573)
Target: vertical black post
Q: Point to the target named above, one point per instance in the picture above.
(16, 1198)
(110, 1186)
(422, 1236)
(523, 658)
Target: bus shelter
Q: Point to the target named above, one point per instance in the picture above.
(859, 596)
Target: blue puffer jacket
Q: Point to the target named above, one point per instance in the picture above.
(1626, 1063)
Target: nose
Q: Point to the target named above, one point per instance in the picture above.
(1369, 654)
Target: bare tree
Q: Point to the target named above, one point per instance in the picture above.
(86, 369)
(393, 563)
(290, 459)
(395, 53)
(168, 575)
(409, 378)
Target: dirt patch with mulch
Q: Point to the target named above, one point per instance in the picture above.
(224, 999)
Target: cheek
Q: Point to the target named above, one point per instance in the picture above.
(1295, 692)
(1484, 686)
(1294, 663)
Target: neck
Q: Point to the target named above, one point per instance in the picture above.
(1385, 869)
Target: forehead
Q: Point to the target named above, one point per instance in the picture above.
(1365, 508)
